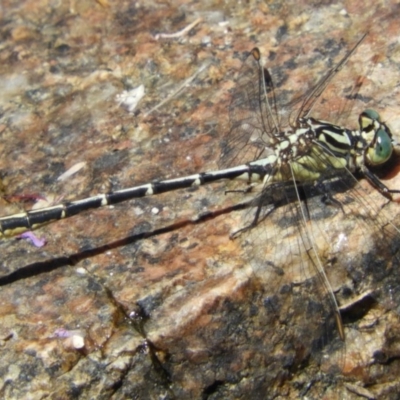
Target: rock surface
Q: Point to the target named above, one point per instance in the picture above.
(113, 308)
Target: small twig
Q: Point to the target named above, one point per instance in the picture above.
(179, 89)
(179, 33)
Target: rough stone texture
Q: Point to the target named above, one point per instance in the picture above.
(185, 312)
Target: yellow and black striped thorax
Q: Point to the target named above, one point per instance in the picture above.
(318, 148)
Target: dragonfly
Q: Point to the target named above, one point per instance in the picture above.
(304, 165)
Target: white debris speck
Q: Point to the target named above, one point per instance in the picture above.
(81, 271)
(71, 171)
(77, 341)
(130, 98)
(341, 242)
(73, 339)
(133, 315)
(155, 210)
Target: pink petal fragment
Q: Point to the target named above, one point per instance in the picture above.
(37, 242)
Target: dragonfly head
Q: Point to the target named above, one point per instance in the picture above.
(378, 137)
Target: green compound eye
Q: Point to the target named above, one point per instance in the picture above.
(372, 114)
(382, 150)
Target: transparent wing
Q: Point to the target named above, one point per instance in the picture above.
(252, 114)
(286, 260)
(259, 113)
(310, 99)
(337, 225)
